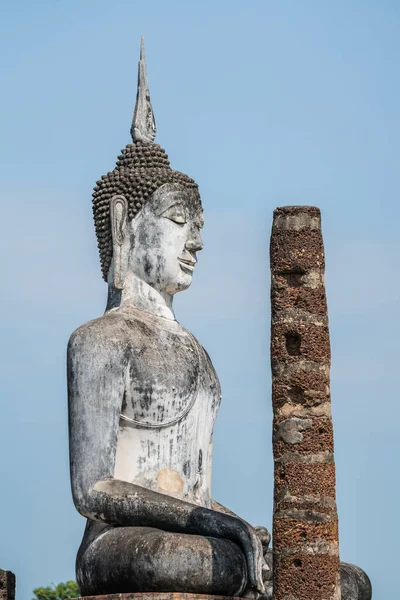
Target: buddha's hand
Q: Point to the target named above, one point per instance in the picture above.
(253, 550)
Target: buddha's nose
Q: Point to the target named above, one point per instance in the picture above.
(194, 242)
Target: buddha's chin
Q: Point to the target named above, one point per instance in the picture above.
(181, 283)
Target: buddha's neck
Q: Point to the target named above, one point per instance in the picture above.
(139, 295)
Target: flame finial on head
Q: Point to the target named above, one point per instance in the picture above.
(143, 123)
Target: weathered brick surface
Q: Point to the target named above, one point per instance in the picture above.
(7, 585)
(301, 533)
(297, 251)
(296, 391)
(300, 341)
(329, 507)
(293, 576)
(301, 297)
(318, 438)
(305, 531)
(305, 374)
(302, 479)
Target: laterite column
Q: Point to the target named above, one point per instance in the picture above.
(305, 528)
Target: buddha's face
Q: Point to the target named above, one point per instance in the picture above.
(165, 239)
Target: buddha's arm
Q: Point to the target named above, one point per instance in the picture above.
(222, 509)
(96, 368)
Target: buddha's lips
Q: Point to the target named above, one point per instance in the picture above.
(187, 264)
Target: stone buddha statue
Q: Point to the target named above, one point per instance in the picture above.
(143, 398)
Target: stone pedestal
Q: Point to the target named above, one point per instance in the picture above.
(157, 596)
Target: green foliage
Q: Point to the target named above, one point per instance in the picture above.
(69, 589)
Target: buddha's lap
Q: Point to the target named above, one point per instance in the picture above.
(128, 559)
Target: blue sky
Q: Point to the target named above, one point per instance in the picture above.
(264, 103)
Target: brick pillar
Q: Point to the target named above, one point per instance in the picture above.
(7, 585)
(305, 528)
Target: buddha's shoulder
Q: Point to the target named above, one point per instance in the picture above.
(114, 330)
(109, 331)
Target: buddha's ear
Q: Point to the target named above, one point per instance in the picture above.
(119, 232)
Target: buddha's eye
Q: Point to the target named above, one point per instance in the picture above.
(175, 214)
(177, 219)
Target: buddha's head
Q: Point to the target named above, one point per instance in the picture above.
(147, 216)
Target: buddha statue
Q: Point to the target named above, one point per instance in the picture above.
(143, 398)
